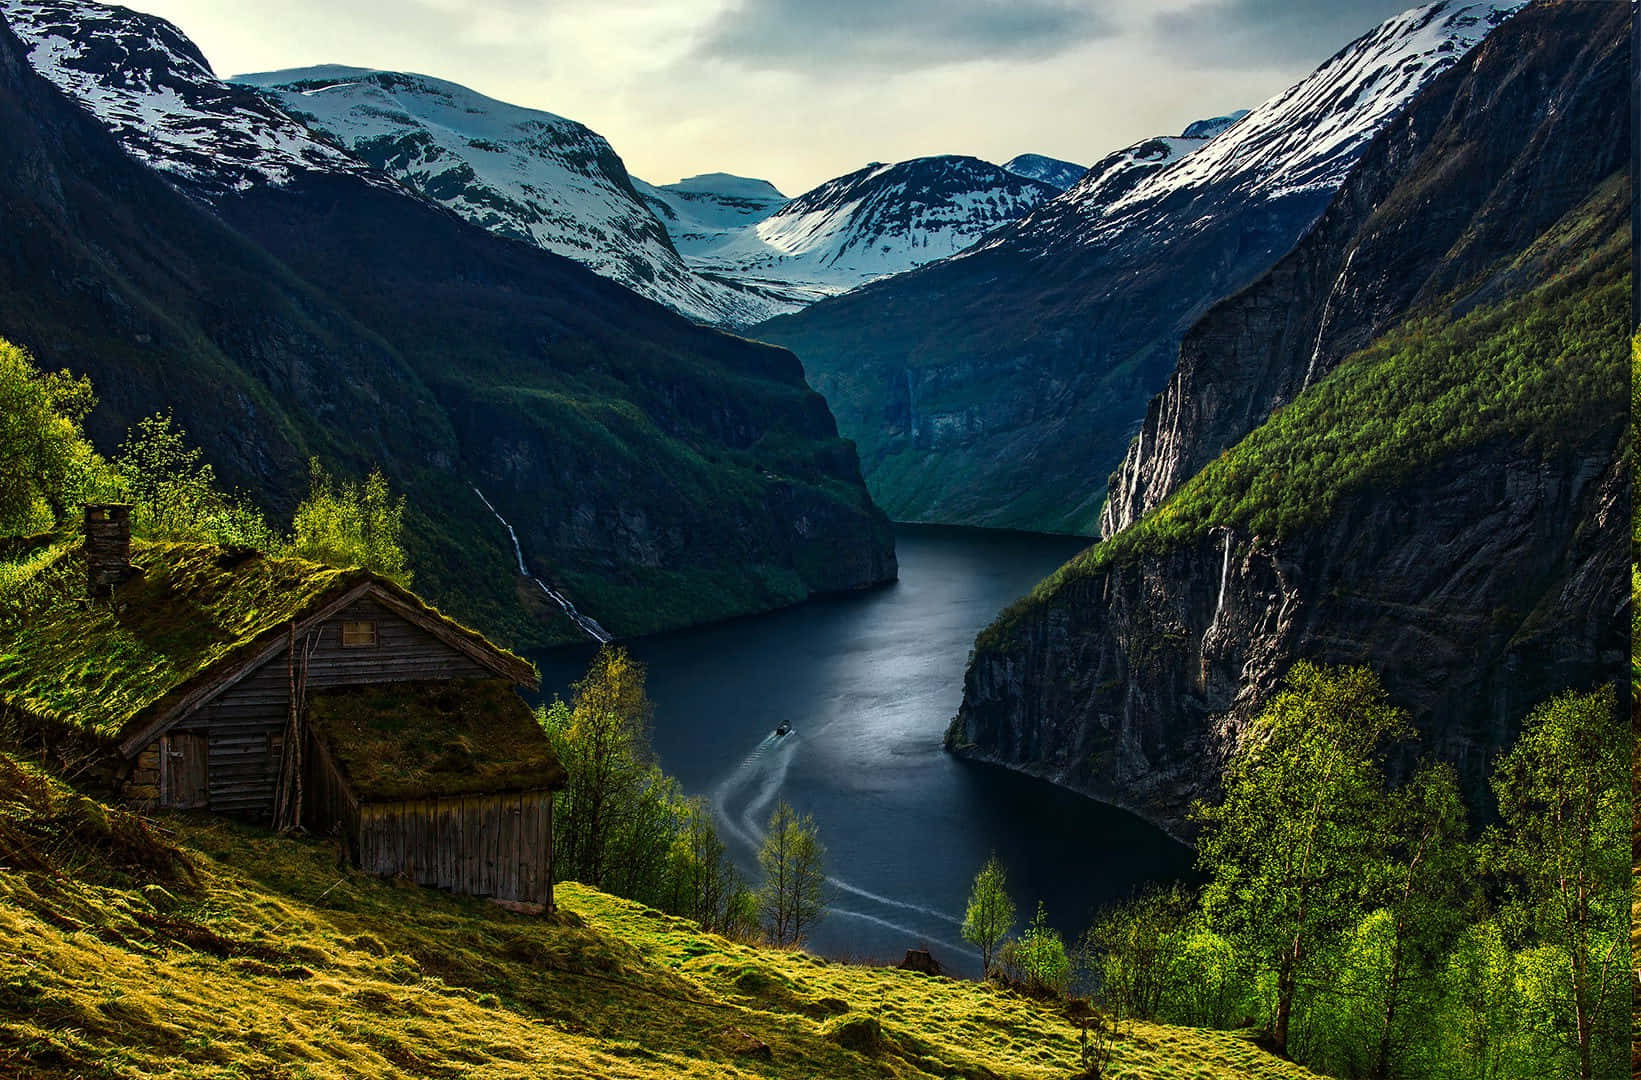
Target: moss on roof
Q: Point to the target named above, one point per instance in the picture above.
(446, 737)
(99, 665)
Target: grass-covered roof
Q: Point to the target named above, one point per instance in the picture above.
(195, 611)
(448, 737)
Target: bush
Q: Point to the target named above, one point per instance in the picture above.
(347, 523)
(1037, 962)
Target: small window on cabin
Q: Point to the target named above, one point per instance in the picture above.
(276, 751)
(358, 633)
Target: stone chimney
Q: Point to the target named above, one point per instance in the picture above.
(107, 545)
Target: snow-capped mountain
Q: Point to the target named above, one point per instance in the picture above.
(1051, 171)
(701, 211)
(156, 92)
(1301, 142)
(1214, 125)
(525, 174)
(876, 221)
(520, 172)
(1071, 317)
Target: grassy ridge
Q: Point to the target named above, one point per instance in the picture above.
(1542, 369)
(258, 957)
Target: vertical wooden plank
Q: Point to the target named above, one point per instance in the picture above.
(492, 838)
(367, 841)
(417, 856)
(470, 845)
(529, 833)
(429, 856)
(394, 837)
(504, 845)
(440, 839)
(549, 847)
(514, 846)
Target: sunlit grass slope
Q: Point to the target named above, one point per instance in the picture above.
(257, 957)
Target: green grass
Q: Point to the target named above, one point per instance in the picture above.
(213, 950)
(96, 664)
(446, 737)
(1542, 370)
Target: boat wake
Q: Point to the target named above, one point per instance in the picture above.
(741, 804)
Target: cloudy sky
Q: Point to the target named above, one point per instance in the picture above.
(798, 91)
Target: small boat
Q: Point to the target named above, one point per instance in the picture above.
(784, 728)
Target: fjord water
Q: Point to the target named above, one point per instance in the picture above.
(869, 682)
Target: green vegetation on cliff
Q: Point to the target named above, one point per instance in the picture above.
(1541, 369)
(189, 947)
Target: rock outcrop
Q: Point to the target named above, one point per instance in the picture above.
(1477, 583)
(1488, 157)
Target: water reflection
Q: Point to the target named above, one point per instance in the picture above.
(868, 683)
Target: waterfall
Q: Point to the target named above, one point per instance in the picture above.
(518, 552)
(1322, 323)
(1224, 576)
(586, 624)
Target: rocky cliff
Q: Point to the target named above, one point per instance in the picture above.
(1469, 590)
(1002, 386)
(1415, 506)
(1489, 156)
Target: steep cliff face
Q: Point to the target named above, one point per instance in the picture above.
(1489, 156)
(1447, 506)
(660, 472)
(1001, 387)
(1469, 590)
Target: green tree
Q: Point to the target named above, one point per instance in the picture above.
(175, 494)
(703, 884)
(1481, 1020)
(793, 896)
(1287, 850)
(1037, 960)
(1562, 847)
(45, 459)
(602, 737)
(990, 914)
(349, 523)
(1423, 881)
(1135, 950)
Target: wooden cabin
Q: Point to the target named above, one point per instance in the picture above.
(287, 693)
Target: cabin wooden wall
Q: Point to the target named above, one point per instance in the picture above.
(327, 804)
(245, 723)
(482, 845)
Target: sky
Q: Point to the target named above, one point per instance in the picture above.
(799, 91)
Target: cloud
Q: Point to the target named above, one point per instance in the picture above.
(851, 36)
(1255, 33)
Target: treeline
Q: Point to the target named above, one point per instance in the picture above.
(623, 826)
(1365, 928)
(51, 469)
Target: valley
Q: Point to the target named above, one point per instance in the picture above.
(1164, 617)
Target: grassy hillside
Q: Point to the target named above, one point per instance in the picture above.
(195, 948)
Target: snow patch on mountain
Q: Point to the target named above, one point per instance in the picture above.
(879, 220)
(701, 211)
(1216, 125)
(1302, 141)
(516, 171)
(1052, 171)
(152, 87)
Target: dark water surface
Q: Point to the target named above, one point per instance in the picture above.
(869, 683)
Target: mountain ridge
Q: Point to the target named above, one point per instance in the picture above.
(1071, 317)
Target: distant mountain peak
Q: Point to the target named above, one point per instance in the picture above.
(1207, 129)
(1051, 171)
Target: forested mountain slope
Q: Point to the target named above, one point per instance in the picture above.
(659, 472)
(1446, 505)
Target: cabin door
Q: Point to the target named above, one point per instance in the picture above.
(187, 770)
